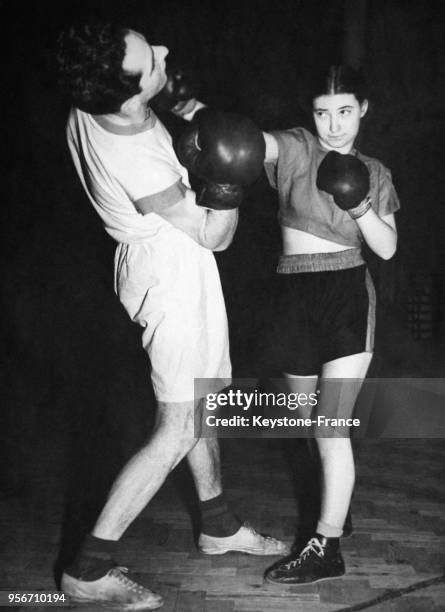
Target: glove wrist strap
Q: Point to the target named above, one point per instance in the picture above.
(220, 196)
(361, 209)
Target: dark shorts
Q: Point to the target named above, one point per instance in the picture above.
(322, 315)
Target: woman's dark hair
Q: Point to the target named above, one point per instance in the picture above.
(90, 66)
(336, 80)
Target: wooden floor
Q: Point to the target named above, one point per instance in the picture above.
(395, 558)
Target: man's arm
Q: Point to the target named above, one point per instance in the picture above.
(212, 229)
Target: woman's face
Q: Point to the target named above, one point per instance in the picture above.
(337, 120)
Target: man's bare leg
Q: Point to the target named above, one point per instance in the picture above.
(93, 576)
(216, 518)
(205, 464)
(172, 438)
(221, 530)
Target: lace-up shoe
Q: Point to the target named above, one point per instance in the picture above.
(113, 591)
(245, 540)
(319, 560)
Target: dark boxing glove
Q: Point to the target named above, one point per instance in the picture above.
(346, 178)
(226, 151)
(179, 87)
(220, 196)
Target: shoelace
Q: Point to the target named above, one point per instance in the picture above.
(255, 532)
(312, 546)
(120, 571)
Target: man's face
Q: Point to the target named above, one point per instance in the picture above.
(147, 60)
(337, 120)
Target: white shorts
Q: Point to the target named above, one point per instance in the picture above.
(171, 287)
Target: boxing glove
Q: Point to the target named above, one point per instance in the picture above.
(220, 196)
(346, 178)
(226, 151)
(179, 87)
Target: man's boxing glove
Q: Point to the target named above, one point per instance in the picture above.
(226, 151)
(346, 178)
(220, 196)
(180, 87)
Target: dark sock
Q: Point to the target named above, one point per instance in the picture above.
(331, 545)
(94, 559)
(216, 519)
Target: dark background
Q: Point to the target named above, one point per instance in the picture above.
(74, 375)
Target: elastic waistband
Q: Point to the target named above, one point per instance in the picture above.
(320, 262)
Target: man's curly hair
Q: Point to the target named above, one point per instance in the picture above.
(90, 66)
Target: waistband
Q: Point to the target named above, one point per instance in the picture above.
(320, 262)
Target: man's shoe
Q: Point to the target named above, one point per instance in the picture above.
(114, 591)
(319, 560)
(245, 540)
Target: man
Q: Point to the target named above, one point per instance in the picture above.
(166, 278)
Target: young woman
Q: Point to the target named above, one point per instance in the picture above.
(332, 198)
